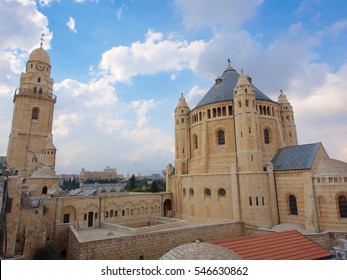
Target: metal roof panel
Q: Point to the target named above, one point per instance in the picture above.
(299, 157)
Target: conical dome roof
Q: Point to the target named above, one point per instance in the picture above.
(200, 251)
(41, 55)
(223, 89)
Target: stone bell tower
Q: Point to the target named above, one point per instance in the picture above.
(30, 145)
(182, 136)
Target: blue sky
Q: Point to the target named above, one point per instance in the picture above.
(119, 68)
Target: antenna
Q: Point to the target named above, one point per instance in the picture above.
(42, 35)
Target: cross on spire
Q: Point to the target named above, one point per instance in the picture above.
(228, 61)
(42, 35)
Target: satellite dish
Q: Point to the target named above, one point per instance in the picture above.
(51, 191)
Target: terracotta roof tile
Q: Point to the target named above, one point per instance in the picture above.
(288, 245)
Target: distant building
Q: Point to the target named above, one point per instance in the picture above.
(107, 174)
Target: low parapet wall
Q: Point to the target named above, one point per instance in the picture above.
(151, 245)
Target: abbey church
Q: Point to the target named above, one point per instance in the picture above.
(238, 171)
(237, 157)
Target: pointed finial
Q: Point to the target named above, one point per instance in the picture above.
(241, 71)
(42, 35)
(281, 91)
(228, 62)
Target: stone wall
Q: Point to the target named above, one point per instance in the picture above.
(327, 239)
(327, 190)
(149, 245)
(202, 199)
(290, 183)
(77, 208)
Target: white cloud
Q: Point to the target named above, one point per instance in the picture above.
(23, 34)
(109, 123)
(194, 95)
(71, 25)
(173, 76)
(223, 13)
(147, 143)
(322, 96)
(319, 97)
(150, 57)
(63, 122)
(141, 108)
(337, 28)
(93, 94)
(83, 1)
(119, 12)
(45, 3)
(69, 151)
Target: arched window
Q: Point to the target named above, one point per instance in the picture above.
(39, 80)
(191, 192)
(266, 136)
(221, 192)
(35, 90)
(44, 190)
(292, 205)
(221, 137)
(207, 192)
(35, 114)
(342, 206)
(40, 91)
(195, 141)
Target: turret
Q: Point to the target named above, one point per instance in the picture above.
(249, 154)
(49, 154)
(288, 123)
(182, 149)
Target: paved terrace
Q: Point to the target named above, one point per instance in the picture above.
(109, 230)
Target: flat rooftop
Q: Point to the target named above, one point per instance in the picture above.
(135, 227)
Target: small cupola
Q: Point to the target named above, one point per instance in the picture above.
(218, 80)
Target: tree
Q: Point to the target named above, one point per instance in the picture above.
(154, 186)
(46, 253)
(132, 182)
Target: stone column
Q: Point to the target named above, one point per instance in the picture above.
(236, 204)
(272, 195)
(13, 216)
(311, 218)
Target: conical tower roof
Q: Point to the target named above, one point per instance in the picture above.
(182, 103)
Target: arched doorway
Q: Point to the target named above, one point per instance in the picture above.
(167, 208)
